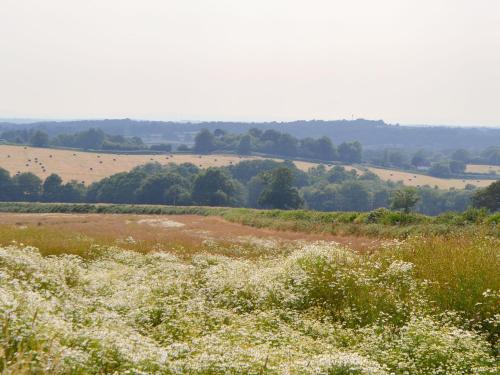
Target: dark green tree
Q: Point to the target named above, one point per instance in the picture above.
(419, 159)
(441, 169)
(27, 187)
(52, 189)
(90, 139)
(204, 142)
(404, 199)
(39, 139)
(353, 196)
(214, 187)
(325, 150)
(279, 191)
(245, 145)
(488, 197)
(6, 186)
(461, 155)
(350, 152)
(154, 189)
(457, 166)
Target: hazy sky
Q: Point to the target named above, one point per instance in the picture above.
(407, 61)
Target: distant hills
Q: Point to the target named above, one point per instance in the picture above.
(371, 134)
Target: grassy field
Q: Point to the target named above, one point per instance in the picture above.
(379, 223)
(200, 295)
(88, 167)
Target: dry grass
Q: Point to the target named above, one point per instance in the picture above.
(477, 168)
(413, 179)
(89, 167)
(184, 235)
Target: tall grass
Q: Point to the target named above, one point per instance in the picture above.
(378, 223)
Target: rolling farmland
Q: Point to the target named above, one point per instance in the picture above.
(88, 167)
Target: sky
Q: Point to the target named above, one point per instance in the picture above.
(403, 61)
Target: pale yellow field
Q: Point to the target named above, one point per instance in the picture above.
(476, 168)
(412, 179)
(88, 167)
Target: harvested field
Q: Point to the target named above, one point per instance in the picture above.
(477, 168)
(413, 179)
(88, 167)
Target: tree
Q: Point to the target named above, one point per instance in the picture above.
(52, 188)
(488, 197)
(350, 152)
(353, 196)
(404, 199)
(27, 186)
(6, 185)
(440, 170)
(39, 139)
(118, 188)
(419, 159)
(339, 174)
(321, 197)
(325, 150)
(245, 145)
(279, 192)
(214, 187)
(398, 159)
(204, 142)
(457, 166)
(154, 189)
(90, 139)
(461, 155)
(286, 145)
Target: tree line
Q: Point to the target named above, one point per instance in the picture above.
(91, 139)
(273, 142)
(254, 183)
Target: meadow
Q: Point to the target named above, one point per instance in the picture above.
(200, 292)
(88, 167)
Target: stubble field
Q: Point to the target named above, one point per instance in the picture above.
(88, 167)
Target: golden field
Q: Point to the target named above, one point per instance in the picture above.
(412, 179)
(88, 167)
(477, 168)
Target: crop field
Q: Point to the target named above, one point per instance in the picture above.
(413, 179)
(175, 294)
(478, 168)
(88, 167)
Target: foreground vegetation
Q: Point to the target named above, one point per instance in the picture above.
(422, 306)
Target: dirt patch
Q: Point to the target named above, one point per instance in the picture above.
(161, 223)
